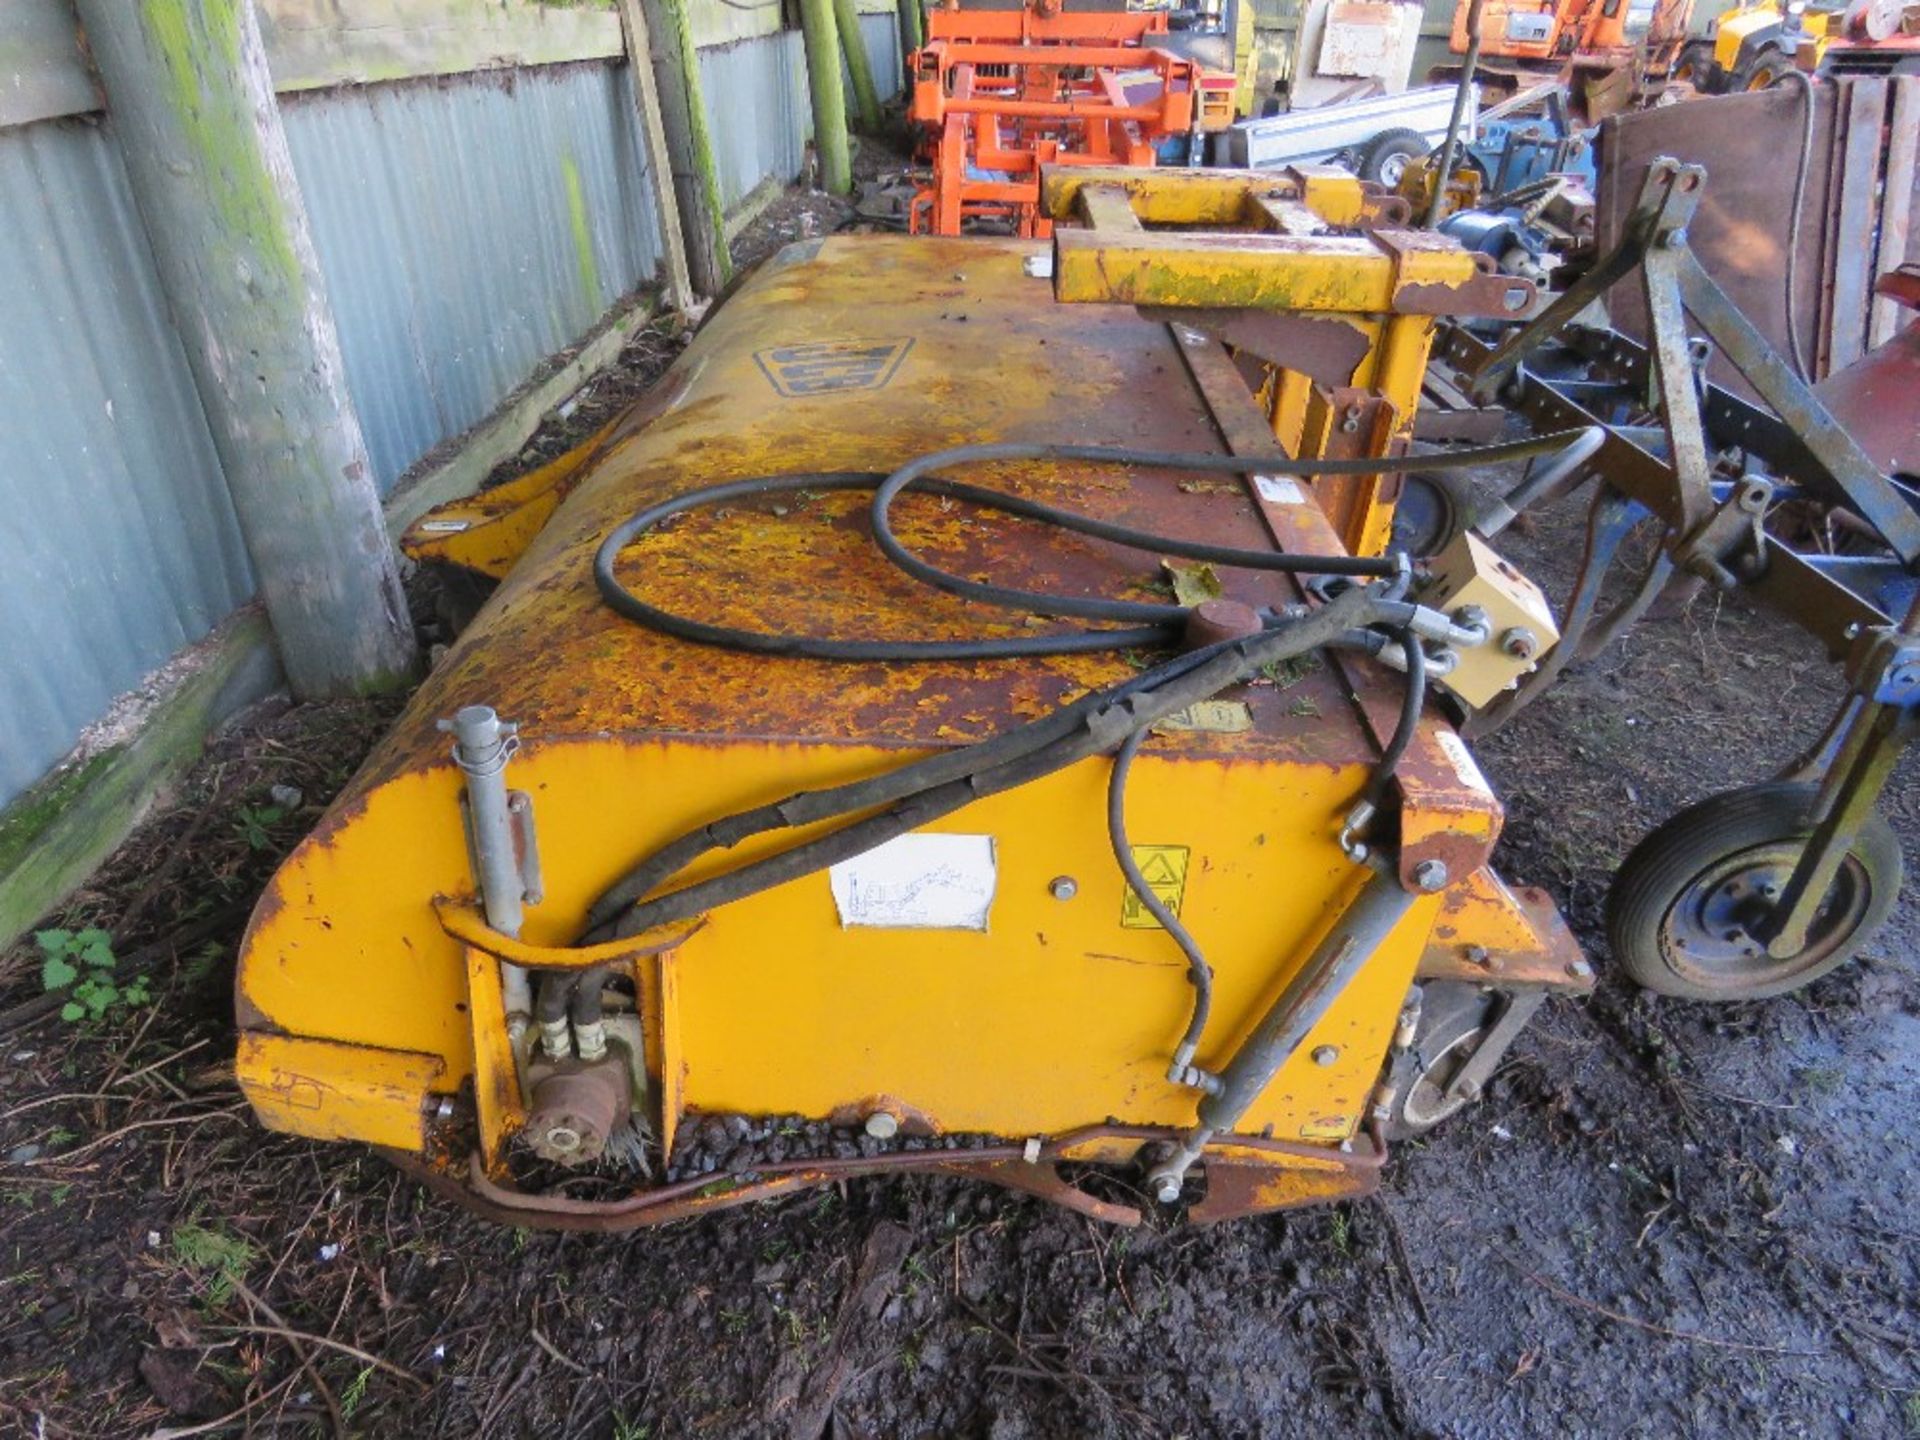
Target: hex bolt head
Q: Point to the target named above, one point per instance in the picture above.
(1325, 1055)
(1520, 643)
(1580, 970)
(1063, 887)
(1166, 1188)
(882, 1126)
(1430, 875)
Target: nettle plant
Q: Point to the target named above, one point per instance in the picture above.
(82, 962)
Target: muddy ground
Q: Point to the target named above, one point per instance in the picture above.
(1665, 1218)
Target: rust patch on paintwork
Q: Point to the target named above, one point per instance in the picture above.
(1248, 1176)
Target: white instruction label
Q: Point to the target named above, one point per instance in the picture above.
(918, 882)
(1464, 765)
(1278, 490)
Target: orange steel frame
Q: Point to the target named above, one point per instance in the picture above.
(1004, 92)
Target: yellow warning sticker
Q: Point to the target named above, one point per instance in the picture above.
(1165, 869)
(1222, 717)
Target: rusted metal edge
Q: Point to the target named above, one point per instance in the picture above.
(1240, 1162)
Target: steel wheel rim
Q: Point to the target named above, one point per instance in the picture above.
(1392, 169)
(1427, 1102)
(1703, 938)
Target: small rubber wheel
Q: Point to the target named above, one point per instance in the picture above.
(1453, 1020)
(1695, 65)
(1432, 510)
(1384, 158)
(1678, 911)
(1765, 68)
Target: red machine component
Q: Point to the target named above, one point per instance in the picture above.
(999, 93)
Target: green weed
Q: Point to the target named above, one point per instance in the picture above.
(255, 823)
(218, 1257)
(1342, 1227)
(81, 962)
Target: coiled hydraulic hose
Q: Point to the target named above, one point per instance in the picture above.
(916, 794)
(1148, 624)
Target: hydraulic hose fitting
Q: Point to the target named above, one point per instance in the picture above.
(556, 1039)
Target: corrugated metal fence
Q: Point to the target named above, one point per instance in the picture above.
(468, 227)
(121, 543)
(758, 106)
(758, 109)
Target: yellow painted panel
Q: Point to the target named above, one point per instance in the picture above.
(338, 1092)
(1057, 1016)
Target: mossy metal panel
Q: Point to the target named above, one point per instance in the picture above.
(469, 227)
(757, 110)
(121, 541)
(757, 103)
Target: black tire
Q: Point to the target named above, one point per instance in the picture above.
(1762, 70)
(1452, 1020)
(1694, 65)
(458, 595)
(1673, 911)
(1383, 159)
(1432, 510)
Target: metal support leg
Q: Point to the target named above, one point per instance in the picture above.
(1380, 906)
(482, 745)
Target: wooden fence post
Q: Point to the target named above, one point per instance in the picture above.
(682, 109)
(187, 88)
(829, 96)
(846, 19)
(653, 135)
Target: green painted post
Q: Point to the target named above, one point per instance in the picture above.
(913, 35)
(187, 87)
(846, 19)
(829, 97)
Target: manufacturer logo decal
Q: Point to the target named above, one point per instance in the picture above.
(822, 367)
(1165, 869)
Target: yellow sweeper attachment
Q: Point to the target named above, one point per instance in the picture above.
(950, 726)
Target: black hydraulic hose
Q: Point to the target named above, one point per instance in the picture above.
(809, 807)
(1198, 971)
(919, 473)
(1412, 701)
(1099, 728)
(584, 1003)
(574, 996)
(1048, 743)
(811, 647)
(550, 1001)
(1163, 621)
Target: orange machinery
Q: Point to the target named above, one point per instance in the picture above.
(1584, 41)
(998, 93)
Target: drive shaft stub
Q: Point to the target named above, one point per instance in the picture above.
(574, 1111)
